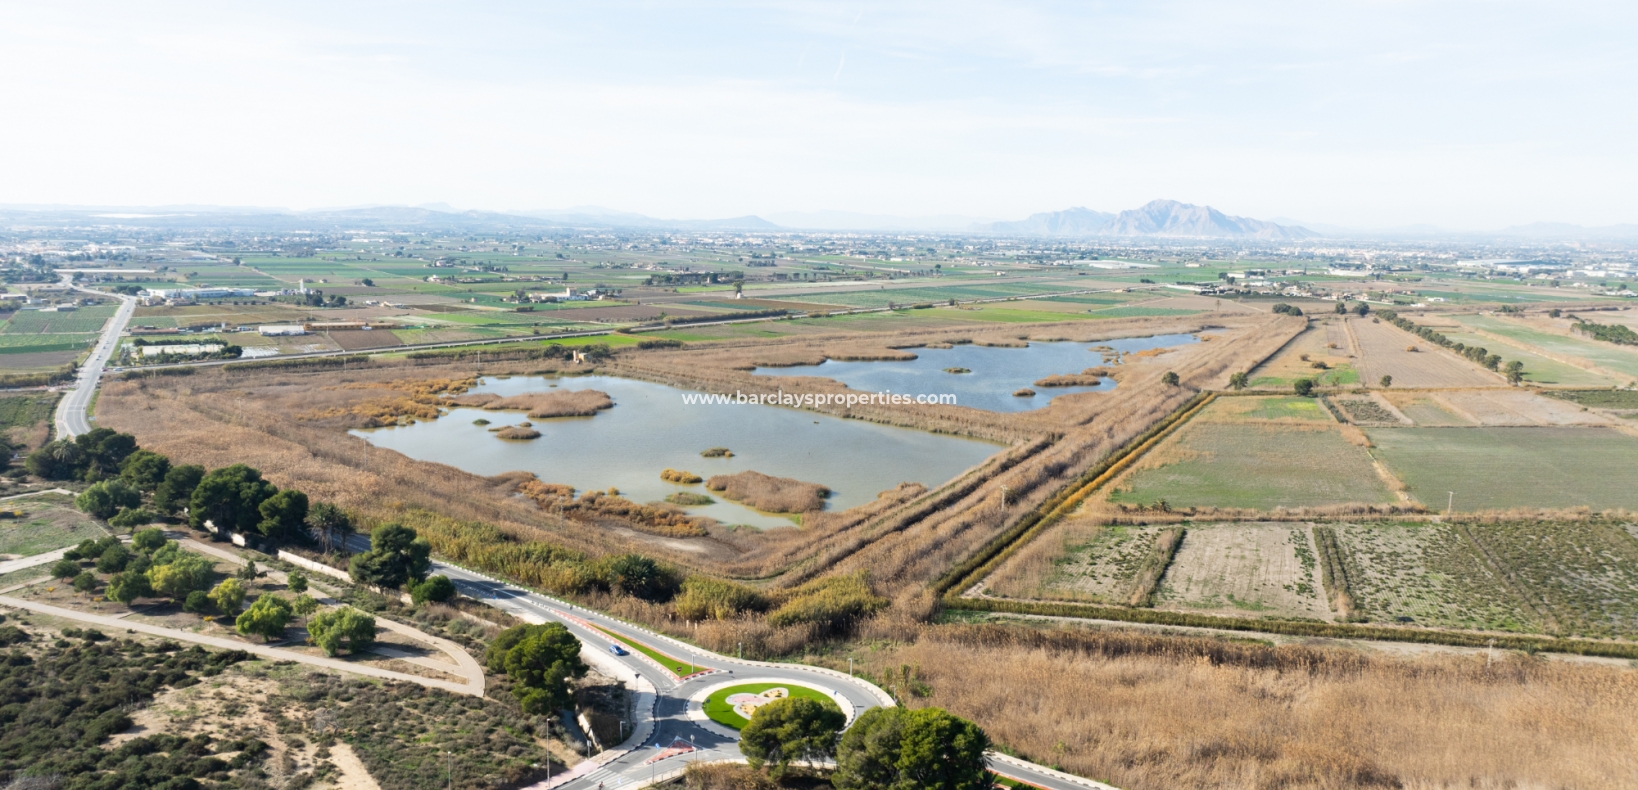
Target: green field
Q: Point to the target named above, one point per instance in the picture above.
(45, 526)
(1256, 465)
(1605, 355)
(1537, 368)
(1430, 575)
(718, 710)
(1599, 398)
(1496, 468)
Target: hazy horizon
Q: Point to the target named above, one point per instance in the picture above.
(1464, 116)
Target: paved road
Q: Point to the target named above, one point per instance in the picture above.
(71, 418)
(632, 764)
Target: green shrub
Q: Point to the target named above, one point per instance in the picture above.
(438, 589)
(833, 603)
(705, 598)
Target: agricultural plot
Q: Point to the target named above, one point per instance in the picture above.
(1502, 467)
(1538, 369)
(1616, 359)
(1426, 409)
(1582, 576)
(1516, 407)
(1428, 574)
(88, 320)
(1383, 352)
(1298, 361)
(1245, 569)
(1095, 563)
(919, 295)
(1370, 410)
(1225, 457)
(26, 419)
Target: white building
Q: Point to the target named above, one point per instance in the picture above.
(280, 330)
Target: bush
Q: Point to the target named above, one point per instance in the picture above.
(198, 603)
(226, 597)
(148, 541)
(85, 582)
(1304, 388)
(266, 618)
(330, 629)
(297, 582)
(132, 517)
(65, 569)
(833, 603)
(113, 559)
(438, 589)
(705, 598)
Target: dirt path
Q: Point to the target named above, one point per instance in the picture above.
(354, 776)
(116, 625)
(464, 664)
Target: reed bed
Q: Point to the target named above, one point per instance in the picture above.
(769, 493)
(1148, 712)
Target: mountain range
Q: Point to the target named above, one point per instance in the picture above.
(1156, 219)
(1165, 218)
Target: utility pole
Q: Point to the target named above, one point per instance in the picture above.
(1450, 509)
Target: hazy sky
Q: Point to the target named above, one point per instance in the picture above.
(1466, 115)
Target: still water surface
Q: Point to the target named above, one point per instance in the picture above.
(996, 372)
(651, 429)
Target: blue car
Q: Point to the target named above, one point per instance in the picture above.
(617, 650)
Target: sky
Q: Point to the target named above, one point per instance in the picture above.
(1462, 115)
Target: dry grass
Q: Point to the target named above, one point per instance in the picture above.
(517, 432)
(769, 493)
(543, 405)
(1157, 713)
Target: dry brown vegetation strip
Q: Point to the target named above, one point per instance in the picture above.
(773, 494)
(1155, 713)
(542, 405)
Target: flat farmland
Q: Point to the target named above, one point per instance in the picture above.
(1581, 575)
(1538, 369)
(1503, 467)
(1078, 561)
(1426, 409)
(1382, 348)
(1516, 407)
(358, 339)
(1616, 359)
(1428, 574)
(1296, 360)
(1245, 569)
(1227, 458)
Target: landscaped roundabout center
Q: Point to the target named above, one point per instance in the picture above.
(732, 704)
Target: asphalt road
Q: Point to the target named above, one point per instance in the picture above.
(71, 418)
(636, 768)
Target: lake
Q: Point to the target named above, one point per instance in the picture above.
(650, 429)
(996, 372)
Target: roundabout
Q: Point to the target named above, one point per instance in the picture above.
(726, 707)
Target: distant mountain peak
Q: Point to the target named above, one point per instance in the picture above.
(1155, 218)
